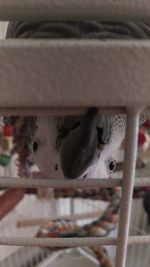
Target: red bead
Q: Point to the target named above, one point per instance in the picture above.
(141, 138)
(8, 130)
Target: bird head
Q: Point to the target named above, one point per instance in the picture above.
(74, 147)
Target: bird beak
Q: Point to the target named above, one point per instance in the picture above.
(79, 147)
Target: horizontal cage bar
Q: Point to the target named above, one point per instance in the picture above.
(56, 111)
(112, 73)
(70, 242)
(71, 10)
(65, 183)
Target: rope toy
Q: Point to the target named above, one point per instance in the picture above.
(93, 193)
(65, 228)
(109, 219)
(23, 128)
(6, 144)
(96, 193)
(100, 227)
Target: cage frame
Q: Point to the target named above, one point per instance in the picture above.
(126, 57)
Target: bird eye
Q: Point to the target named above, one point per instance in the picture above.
(112, 165)
(35, 146)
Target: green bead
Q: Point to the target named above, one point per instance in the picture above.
(5, 160)
(30, 146)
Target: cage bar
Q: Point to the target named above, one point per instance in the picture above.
(56, 183)
(127, 186)
(75, 10)
(123, 65)
(63, 183)
(70, 242)
(57, 111)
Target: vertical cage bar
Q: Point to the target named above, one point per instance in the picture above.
(72, 206)
(127, 185)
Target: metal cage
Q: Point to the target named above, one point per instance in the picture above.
(123, 83)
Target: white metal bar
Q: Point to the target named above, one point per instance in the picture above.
(74, 73)
(56, 111)
(72, 207)
(70, 242)
(127, 185)
(57, 242)
(71, 10)
(65, 183)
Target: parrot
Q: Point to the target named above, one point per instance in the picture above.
(78, 146)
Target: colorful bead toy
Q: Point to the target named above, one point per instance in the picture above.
(6, 144)
(65, 228)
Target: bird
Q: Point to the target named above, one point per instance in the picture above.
(78, 146)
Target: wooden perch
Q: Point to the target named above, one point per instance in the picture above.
(74, 217)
